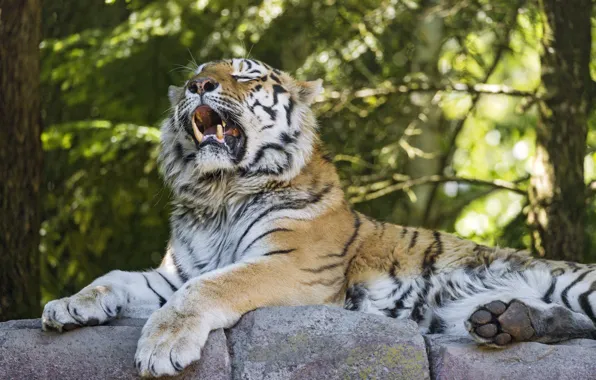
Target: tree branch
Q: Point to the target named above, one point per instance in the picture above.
(475, 89)
(504, 45)
(437, 179)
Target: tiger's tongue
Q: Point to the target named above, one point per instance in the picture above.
(210, 131)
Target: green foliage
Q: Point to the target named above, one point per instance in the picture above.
(104, 206)
(106, 67)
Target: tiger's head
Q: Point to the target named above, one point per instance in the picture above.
(239, 117)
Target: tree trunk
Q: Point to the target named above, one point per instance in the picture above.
(20, 158)
(557, 190)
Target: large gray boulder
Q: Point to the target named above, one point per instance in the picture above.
(325, 343)
(462, 359)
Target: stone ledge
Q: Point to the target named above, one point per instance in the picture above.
(459, 358)
(311, 342)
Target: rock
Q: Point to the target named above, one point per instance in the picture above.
(328, 343)
(462, 359)
(21, 324)
(310, 342)
(101, 352)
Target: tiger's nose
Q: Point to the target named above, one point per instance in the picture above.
(202, 85)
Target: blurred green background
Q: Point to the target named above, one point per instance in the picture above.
(399, 104)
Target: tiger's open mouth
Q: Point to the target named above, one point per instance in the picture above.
(212, 128)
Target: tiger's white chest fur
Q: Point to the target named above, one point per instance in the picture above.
(203, 241)
(201, 244)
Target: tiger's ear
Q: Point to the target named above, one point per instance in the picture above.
(308, 91)
(174, 94)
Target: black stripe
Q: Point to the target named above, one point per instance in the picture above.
(568, 288)
(398, 284)
(179, 150)
(162, 300)
(417, 313)
(404, 231)
(177, 366)
(437, 325)
(549, 292)
(275, 78)
(183, 276)
(352, 238)
(477, 249)
(413, 240)
(289, 108)
(279, 169)
(355, 296)
(287, 139)
(277, 89)
(584, 302)
(557, 272)
(189, 248)
(478, 252)
(349, 266)
(394, 271)
(269, 110)
(432, 252)
(398, 305)
(333, 281)
(574, 266)
(266, 127)
(438, 299)
(261, 152)
(483, 253)
(437, 236)
(199, 266)
(323, 268)
(278, 252)
(262, 236)
(174, 289)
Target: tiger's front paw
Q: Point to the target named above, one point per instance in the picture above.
(89, 307)
(170, 341)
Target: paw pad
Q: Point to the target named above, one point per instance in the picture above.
(500, 323)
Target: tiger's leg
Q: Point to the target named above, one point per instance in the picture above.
(175, 334)
(116, 294)
(512, 307)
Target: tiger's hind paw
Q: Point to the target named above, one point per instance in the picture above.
(498, 324)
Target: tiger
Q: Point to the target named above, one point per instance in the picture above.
(259, 218)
